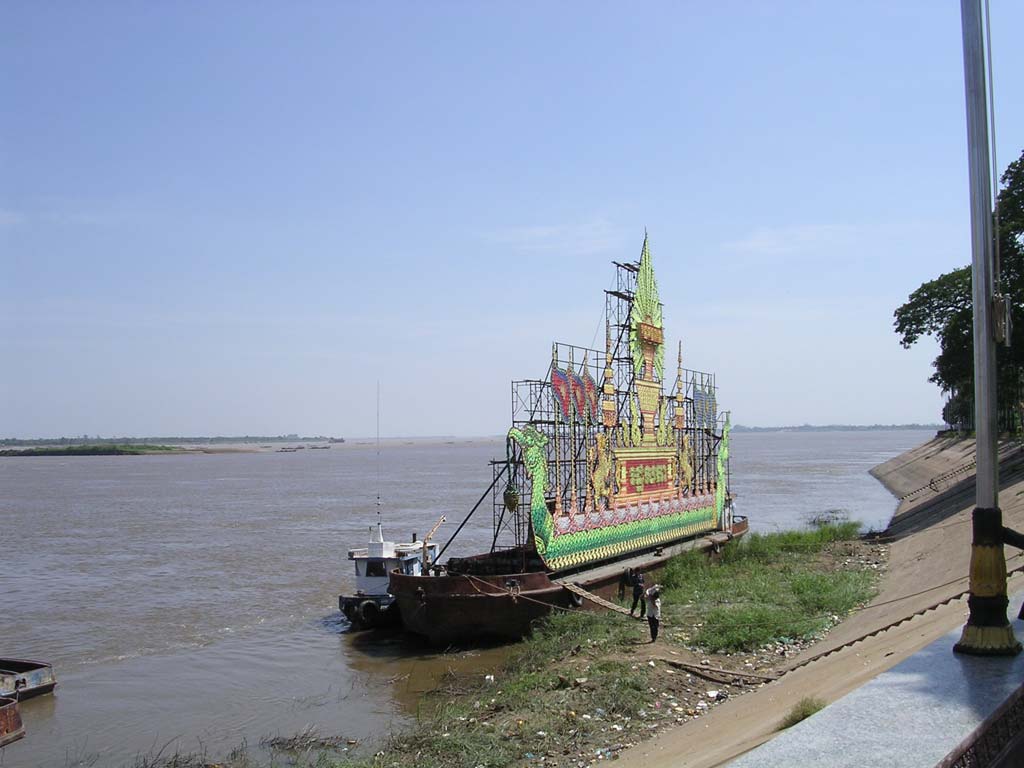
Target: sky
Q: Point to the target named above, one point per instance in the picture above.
(236, 218)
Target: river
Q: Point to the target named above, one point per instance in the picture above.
(188, 602)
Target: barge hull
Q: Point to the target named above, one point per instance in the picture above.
(458, 608)
(11, 727)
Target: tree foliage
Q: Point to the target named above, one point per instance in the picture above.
(942, 308)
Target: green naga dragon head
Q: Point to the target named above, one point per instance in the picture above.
(534, 446)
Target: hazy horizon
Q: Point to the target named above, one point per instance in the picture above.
(239, 218)
(497, 435)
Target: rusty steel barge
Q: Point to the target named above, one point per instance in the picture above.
(604, 470)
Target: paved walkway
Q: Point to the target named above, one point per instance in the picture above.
(911, 716)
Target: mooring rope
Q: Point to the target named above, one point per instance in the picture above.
(803, 663)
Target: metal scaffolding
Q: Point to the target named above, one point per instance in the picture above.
(571, 442)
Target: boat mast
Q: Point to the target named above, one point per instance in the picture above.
(378, 453)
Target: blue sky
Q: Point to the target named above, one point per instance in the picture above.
(236, 217)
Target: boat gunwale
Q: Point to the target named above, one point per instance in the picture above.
(34, 667)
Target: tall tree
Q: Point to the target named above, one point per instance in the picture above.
(942, 308)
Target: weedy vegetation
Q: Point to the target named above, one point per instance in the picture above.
(802, 710)
(769, 588)
(583, 686)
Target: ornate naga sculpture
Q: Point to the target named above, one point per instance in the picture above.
(622, 456)
(534, 444)
(685, 460)
(601, 478)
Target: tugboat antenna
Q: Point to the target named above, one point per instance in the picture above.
(378, 450)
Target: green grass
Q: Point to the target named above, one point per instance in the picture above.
(767, 589)
(802, 710)
(496, 724)
(763, 590)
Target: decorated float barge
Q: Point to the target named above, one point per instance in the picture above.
(604, 470)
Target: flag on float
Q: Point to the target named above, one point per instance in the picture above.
(590, 387)
(579, 394)
(561, 388)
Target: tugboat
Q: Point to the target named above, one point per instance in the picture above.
(372, 606)
(609, 465)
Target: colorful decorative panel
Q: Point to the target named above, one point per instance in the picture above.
(579, 394)
(639, 476)
(560, 386)
(624, 482)
(705, 411)
(653, 518)
(590, 387)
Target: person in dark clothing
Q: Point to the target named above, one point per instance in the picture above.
(625, 580)
(653, 599)
(638, 594)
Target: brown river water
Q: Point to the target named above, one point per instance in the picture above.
(189, 602)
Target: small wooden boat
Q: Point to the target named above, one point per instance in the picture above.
(25, 678)
(11, 727)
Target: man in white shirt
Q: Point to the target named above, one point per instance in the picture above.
(652, 596)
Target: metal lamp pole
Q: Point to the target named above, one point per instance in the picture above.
(987, 631)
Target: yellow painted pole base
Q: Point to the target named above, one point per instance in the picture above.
(988, 641)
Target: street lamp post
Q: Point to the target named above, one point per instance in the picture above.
(987, 631)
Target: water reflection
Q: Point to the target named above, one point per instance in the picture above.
(411, 668)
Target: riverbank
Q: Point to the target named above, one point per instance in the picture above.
(94, 450)
(588, 685)
(248, 615)
(929, 554)
(137, 449)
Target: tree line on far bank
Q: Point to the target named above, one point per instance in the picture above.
(14, 442)
(943, 308)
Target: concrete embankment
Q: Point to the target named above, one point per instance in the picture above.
(929, 537)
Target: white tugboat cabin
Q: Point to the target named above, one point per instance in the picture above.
(371, 605)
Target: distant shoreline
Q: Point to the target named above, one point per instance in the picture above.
(218, 444)
(844, 428)
(161, 443)
(94, 450)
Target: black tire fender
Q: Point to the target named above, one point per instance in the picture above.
(369, 612)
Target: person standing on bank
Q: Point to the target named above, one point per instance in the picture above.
(638, 594)
(625, 580)
(653, 599)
